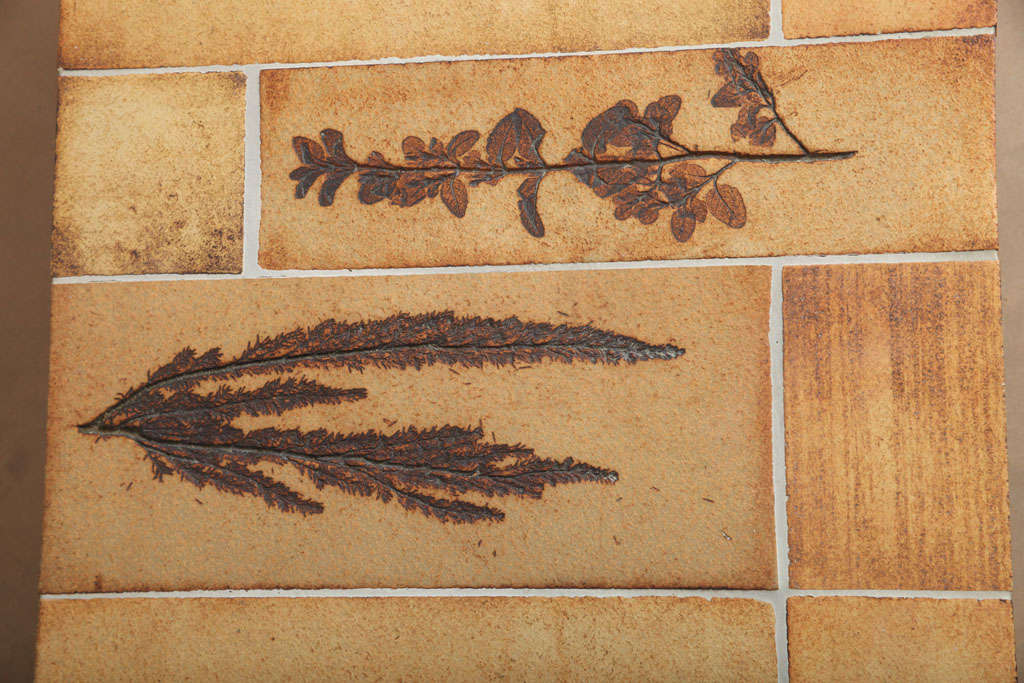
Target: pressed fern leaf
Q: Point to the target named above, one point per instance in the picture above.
(413, 341)
(398, 342)
(273, 398)
(422, 470)
(190, 433)
(229, 477)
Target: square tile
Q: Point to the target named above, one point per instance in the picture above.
(895, 427)
(149, 174)
(811, 18)
(881, 639)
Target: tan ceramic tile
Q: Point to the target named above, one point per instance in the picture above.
(451, 639)
(875, 639)
(895, 427)
(810, 18)
(689, 438)
(149, 174)
(119, 33)
(918, 113)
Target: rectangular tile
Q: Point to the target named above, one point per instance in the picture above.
(135, 33)
(688, 436)
(918, 114)
(149, 175)
(881, 639)
(557, 639)
(895, 427)
(811, 18)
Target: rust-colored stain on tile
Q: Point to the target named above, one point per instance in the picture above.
(689, 438)
(149, 174)
(137, 33)
(901, 639)
(445, 639)
(900, 192)
(813, 18)
(895, 427)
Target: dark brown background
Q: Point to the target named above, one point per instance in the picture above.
(27, 79)
(28, 63)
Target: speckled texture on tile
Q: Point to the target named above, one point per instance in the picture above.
(133, 33)
(813, 18)
(690, 439)
(443, 639)
(883, 639)
(149, 175)
(918, 112)
(895, 427)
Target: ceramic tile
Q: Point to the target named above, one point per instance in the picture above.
(149, 175)
(115, 34)
(895, 427)
(810, 18)
(878, 639)
(891, 102)
(669, 482)
(557, 639)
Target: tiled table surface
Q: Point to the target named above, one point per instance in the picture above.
(816, 489)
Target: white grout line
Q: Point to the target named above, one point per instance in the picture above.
(779, 472)
(707, 594)
(775, 39)
(900, 593)
(251, 270)
(775, 22)
(253, 176)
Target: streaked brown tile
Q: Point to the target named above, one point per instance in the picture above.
(876, 639)
(557, 639)
(689, 438)
(149, 175)
(895, 427)
(918, 113)
(134, 33)
(810, 18)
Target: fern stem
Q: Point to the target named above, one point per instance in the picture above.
(805, 156)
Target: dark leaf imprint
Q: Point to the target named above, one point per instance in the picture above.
(188, 431)
(626, 156)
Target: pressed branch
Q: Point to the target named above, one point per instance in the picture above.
(190, 433)
(622, 156)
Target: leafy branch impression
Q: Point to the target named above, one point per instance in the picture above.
(187, 431)
(627, 157)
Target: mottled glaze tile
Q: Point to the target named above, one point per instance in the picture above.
(811, 18)
(687, 436)
(917, 113)
(882, 639)
(149, 175)
(394, 639)
(895, 427)
(116, 34)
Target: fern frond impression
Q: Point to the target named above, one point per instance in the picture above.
(190, 433)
